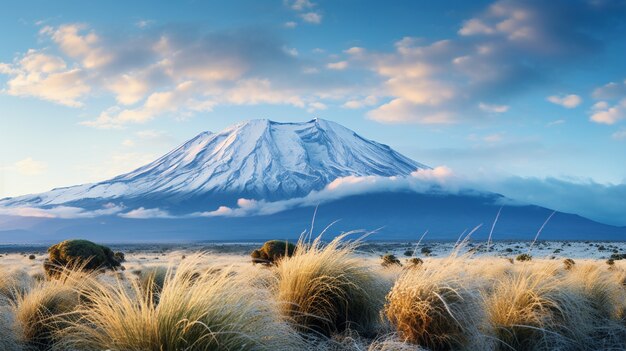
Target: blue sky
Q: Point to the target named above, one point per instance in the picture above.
(528, 95)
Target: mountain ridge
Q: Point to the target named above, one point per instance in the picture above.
(256, 158)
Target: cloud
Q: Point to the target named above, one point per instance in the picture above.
(145, 213)
(304, 8)
(419, 181)
(612, 107)
(555, 122)
(311, 17)
(30, 167)
(605, 114)
(79, 43)
(361, 103)
(493, 108)
(610, 91)
(155, 105)
(506, 49)
(64, 212)
(291, 24)
(47, 77)
(128, 89)
(567, 101)
(338, 65)
(299, 5)
(619, 135)
(600, 202)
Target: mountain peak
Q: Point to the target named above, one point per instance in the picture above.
(257, 158)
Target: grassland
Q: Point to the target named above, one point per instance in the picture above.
(328, 296)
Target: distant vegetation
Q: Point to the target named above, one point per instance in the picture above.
(81, 254)
(272, 251)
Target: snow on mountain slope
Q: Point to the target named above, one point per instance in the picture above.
(257, 158)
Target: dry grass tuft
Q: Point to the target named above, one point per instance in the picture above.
(43, 311)
(539, 308)
(197, 310)
(437, 307)
(14, 284)
(325, 289)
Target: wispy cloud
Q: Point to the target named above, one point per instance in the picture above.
(30, 167)
(567, 101)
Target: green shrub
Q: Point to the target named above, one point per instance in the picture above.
(524, 257)
(272, 251)
(414, 262)
(390, 260)
(120, 257)
(426, 251)
(82, 254)
(32, 257)
(408, 253)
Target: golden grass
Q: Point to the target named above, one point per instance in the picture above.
(326, 289)
(326, 297)
(197, 309)
(437, 306)
(45, 309)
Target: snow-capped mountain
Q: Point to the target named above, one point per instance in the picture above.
(193, 193)
(260, 159)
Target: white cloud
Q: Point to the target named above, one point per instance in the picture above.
(601, 202)
(605, 114)
(156, 104)
(128, 89)
(143, 23)
(30, 167)
(291, 24)
(46, 77)
(610, 91)
(567, 101)
(475, 26)
(493, 108)
(73, 40)
(341, 65)
(316, 106)
(357, 104)
(299, 5)
(312, 17)
(64, 212)
(145, 213)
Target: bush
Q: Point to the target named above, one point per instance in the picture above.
(524, 257)
(32, 257)
(569, 263)
(82, 254)
(120, 257)
(390, 260)
(327, 289)
(426, 251)
(414, 262)
(272, 251)
(408, 253)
